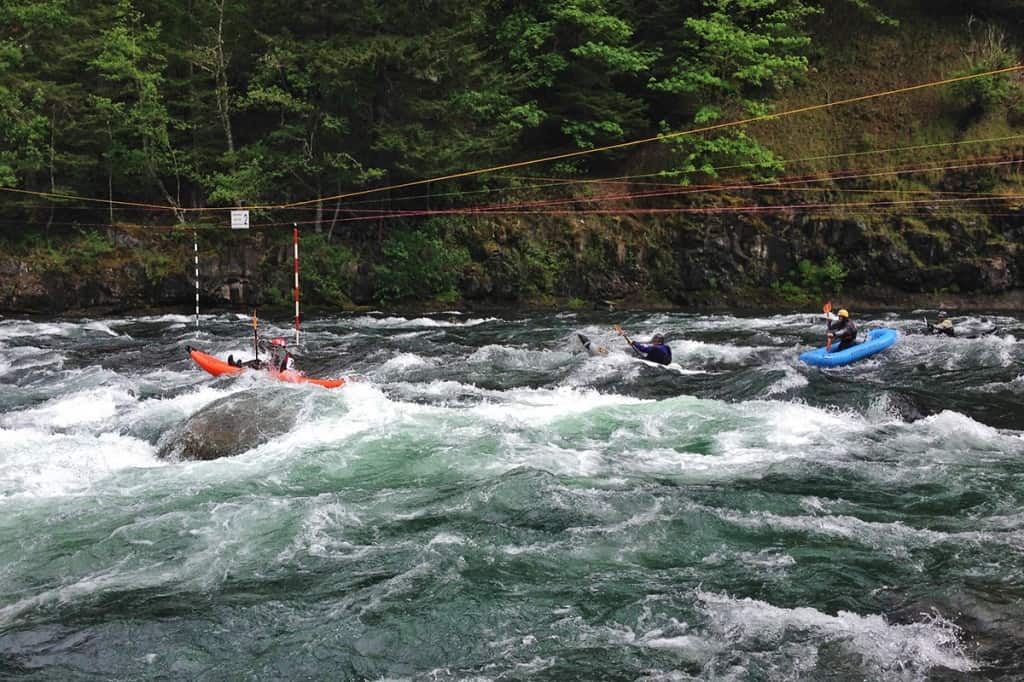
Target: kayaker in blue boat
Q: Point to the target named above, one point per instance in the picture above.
(843, 331)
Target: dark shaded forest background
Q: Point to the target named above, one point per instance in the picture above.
(128, 125)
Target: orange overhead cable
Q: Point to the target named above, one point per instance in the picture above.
(556, 157)
(666, 136)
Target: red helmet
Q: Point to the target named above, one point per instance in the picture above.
(278, 341)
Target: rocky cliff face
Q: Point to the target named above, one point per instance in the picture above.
(684, 261)
(121, 280)
(904, 254)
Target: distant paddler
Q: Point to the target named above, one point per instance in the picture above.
(943, 325)
(655, 351)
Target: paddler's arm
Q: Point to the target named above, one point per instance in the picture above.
(624, 335)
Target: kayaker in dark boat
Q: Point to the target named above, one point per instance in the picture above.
(944, 325)
(655, 351)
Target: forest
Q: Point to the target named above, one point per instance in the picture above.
(127, 126)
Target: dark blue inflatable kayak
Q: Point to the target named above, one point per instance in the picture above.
(878, 340)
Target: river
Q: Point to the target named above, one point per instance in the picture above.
(487, 502)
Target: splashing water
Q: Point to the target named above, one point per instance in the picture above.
(490, 502)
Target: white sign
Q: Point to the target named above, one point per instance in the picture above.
(239, 220)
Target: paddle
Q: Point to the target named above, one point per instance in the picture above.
(255, 336)
(827, 309)
(626, 336)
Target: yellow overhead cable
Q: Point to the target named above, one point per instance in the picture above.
(625, 179)
(578, 153)
(132, 204)
(549, 182)
(667, 136)
(556, 181)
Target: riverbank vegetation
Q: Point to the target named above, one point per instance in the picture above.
(120, 119)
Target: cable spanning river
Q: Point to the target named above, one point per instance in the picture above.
(489, 502)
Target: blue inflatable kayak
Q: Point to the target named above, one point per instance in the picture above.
(878, 340)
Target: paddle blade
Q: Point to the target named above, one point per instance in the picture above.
(827, 308)
(618, 328)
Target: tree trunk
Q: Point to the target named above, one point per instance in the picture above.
(53, 182)
(221, 74)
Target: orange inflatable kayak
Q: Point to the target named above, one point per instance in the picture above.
(217, 367)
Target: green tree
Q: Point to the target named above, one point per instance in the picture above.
(733, 55)
(130, 96)
(41, 94)
(578, 70)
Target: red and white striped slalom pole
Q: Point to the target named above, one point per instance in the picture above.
(296, 235)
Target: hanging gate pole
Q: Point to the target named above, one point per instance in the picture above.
(296, 240)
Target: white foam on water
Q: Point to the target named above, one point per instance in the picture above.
(26, 357)
(167, 411)
(443, 388)
(534, 407)
(87, 407)
(769, 562)
(403, 323)
(1015, 385)
(685, 351)
(39, 464)
(97, 326)
(957, 436)
(674, 636)
(792, 379)
(789, 428)
(221, 537)
(721, 323)
(168, 318)
(893, 538)
(601, 368)
(11, 329)
(884, 648)
(671, 367)
(513, 425)
(955, 353)
(443, 538)
(516, 451)
(507, 357)
(815, 505)
(438, 392)
(321, 533)
(402, 364)
(359, 408)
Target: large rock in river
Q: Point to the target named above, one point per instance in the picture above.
(231, 425)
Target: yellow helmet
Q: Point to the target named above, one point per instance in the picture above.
(843, 313)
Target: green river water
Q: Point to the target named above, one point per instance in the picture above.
(487, 502)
